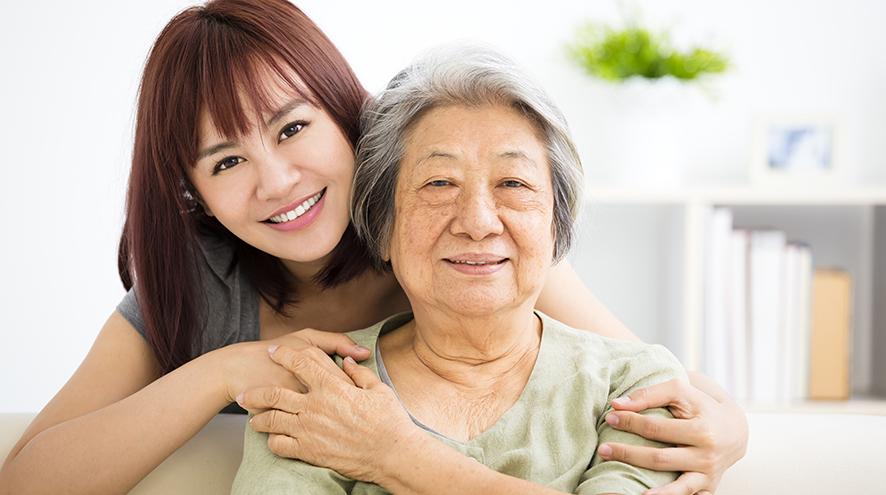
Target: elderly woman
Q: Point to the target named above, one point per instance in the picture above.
(468, 185)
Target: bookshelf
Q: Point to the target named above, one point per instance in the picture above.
(641, 250)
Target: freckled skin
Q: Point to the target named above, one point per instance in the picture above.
(473, 180)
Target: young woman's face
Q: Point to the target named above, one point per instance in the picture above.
(283, 187)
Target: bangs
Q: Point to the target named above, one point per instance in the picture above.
(233, 73)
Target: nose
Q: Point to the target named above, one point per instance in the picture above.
(277, 175)
(477, 214)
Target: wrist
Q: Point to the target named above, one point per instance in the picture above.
(216, 364)
(402, 458)
(419, 463)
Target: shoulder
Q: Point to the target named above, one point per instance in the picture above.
(368, 337)
(622, 362)
(227, 303)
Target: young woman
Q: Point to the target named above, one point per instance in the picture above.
(237, 236)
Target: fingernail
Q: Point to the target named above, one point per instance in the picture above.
(239, 398)
(350, 360)
(621, 401)
(604, 450)
(612, 419)
(272, 348)
(360, 348)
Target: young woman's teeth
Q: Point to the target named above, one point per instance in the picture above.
(298, 210)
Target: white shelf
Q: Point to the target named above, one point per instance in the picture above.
(738, 195)
(642, 252)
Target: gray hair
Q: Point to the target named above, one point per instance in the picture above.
(460, 75)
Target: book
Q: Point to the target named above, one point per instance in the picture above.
(737, 313)
(799, 389)
(766, 294)
(717, 353)
(789, 334)
(829, 351)
(795, 332)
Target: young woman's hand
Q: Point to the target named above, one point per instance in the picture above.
(330, 424)
(246, 365)
(710, 431)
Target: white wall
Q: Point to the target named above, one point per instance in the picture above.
(71, 73)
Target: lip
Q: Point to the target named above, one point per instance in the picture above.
(495, 263)
(294, 204)
(477, 257)
(303, 221)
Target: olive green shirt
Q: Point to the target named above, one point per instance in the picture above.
(549, 436)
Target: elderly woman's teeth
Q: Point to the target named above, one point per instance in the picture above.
(298, 210)
(458, 262)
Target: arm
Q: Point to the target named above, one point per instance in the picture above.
(630, 372)
(105, 420)
(566, 298)
(712, 427)
(110, 406)
(261, 472)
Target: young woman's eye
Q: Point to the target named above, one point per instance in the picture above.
(292, 129)
(511, 183)
(226, 163)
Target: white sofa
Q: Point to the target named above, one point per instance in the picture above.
(802, 453)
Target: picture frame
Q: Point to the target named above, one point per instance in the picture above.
(795, 150)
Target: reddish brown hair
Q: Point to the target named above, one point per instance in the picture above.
(209, 58)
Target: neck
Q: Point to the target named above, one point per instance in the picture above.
(476, 352)
(304, 273)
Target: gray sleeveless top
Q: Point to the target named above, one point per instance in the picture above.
(228, 302)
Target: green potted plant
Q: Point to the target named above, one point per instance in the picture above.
(643, 103)
(616, 55)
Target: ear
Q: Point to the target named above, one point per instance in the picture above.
(192, 195)
(205, 207)
(385, 249)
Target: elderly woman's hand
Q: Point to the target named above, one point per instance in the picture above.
(329, 425)
(710, 431)
(246, 365)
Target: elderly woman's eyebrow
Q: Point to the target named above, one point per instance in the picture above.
(508, 154)
(436, 154)
(515, 154)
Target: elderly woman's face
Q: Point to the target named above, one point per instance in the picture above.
(474, 206)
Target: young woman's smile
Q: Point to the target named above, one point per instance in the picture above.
(299, 214)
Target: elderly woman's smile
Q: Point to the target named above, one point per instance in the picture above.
(474, 209)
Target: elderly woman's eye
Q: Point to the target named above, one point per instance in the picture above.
(512, 183)
(439, 183)
(292, 129)
(226, 163)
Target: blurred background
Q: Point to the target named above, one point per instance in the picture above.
(738, 217)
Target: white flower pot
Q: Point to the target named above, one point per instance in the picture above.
(643, 130)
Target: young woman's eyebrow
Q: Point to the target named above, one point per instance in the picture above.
(285, 109)
(279, 114)
(214, 149)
